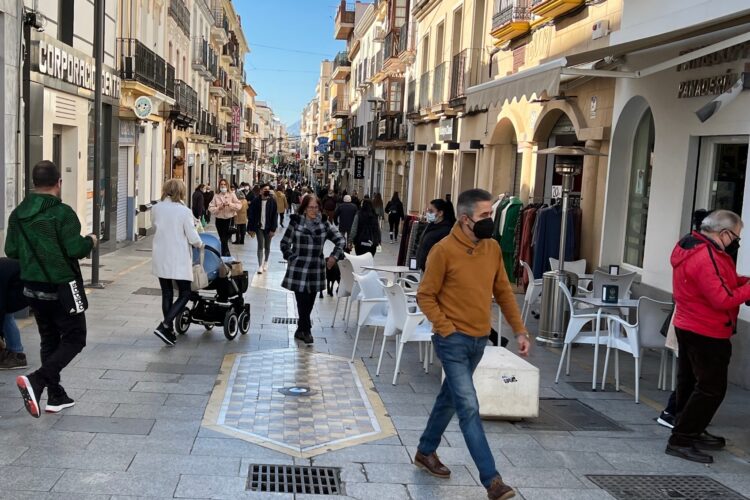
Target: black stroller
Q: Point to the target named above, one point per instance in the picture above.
(222, 302)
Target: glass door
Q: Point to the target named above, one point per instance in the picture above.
(721, 173)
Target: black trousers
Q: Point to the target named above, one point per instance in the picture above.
(62, 337)
(359, 249)
(239, 236)
(222, 227)
(281, 219)
(701, 383)
(305, 303)
(170, 308)
(394, 222)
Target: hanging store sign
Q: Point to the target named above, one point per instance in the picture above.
(448, 130)
(62, 62)
(713, 85)
(142, 107)
(359, 167)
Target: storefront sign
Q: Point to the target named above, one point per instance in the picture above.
(447, 130)
(58, 60)
(728, 55)
(359, 167)
(142, 107)
(127, 133)
(702, 87)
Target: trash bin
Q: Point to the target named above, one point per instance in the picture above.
(554, 315)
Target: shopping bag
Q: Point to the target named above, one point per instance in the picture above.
(200, 278)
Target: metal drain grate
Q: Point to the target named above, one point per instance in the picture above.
(656, 487)
(294, 479)
(284, 321)
(148, 291)
(568, 415)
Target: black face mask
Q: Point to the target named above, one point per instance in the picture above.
(733, 249)
(483, 228)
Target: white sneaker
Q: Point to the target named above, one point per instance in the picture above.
(265, 266)
(260, 270)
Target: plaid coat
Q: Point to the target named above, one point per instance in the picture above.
(302, 247)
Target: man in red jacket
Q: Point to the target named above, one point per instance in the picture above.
(707, 294)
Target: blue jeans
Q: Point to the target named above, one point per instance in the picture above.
(460, 354)
(12, 334)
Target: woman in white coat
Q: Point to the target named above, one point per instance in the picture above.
(172, 255)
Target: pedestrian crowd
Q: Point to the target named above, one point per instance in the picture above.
(462, 271)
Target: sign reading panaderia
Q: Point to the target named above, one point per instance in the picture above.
(713, 85)
(60, 61)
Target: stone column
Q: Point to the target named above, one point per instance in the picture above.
(528, 169)
(589, 236)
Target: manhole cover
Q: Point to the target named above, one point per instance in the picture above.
(148, 291)
(294, 479)
(297, 391)
(656, 487)
(284, 321)
(568, 415)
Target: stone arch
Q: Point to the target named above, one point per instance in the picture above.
(551, 113)
(504, 158)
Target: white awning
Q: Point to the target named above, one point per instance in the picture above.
(537, 81)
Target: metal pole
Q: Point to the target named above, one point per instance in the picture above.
(567, 185)
(99, 56)
(231, 154)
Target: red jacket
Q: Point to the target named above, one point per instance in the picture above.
(707, 290)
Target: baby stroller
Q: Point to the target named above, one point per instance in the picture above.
(222, 301)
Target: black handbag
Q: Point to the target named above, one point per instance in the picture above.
(71, 295)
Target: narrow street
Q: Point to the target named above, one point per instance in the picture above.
(143, 425)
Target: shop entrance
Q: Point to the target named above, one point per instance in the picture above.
(563, 134)
(722, 167)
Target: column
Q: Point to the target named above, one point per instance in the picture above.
(589, 235)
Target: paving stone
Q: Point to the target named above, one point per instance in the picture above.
(28, 478)
(182, 369)
(537, 477)
(564, 459)
(230, 447)
(141, 376)
(106, 425)
(644, 462)
(173, 388)
(564, 494)
(126, 444)
(117, 483)
(37, 495)
(220, 487)
(432, 492)
(9, 453)
(369, 491)
(189, 400)
(185, 464)
(99, 396)
(158, 412)
(395, 473)
(365, 453)
(91, 409)
(62, 458)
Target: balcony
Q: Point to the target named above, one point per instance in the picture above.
(170, 88)
(344, 23)
(395, 133)
(226, 104)
(217, 89)
(378, 72)
(141, 64)
(200, 55)
(212, 67)
(512, 20)
(185, 110)
(340, 107)
(181, 15)
(438, 84)
(220, 27)
(342, 67)
(465, 72)
(424, 90)
(550, 9)
(406, 51)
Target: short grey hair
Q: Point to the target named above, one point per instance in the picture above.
(720, 220)
(468, 199)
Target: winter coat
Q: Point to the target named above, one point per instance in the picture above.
(302, 247)
(54, 230)
(224, 205)
(272, 215)
(358, 234)
(344, 216)
(431, 235)
(199, 208)
(707, 290)
(241, 217)
(281, 202)
(394, 209)
(172, 257)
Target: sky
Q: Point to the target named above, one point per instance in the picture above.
(288, 39)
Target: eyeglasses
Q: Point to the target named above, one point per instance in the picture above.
(736, 236)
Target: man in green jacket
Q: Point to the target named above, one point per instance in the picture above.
(44, 234)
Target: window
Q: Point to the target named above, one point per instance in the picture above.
(394, 95)
(640, 190)
(65, 18)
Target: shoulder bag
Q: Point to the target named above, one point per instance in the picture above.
(200, 278)
(71, 295)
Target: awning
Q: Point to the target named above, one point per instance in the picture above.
(537, 81)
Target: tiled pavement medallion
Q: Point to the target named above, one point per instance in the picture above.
(624, 487)
(341, 409)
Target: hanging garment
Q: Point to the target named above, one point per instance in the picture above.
(547, 238)
(508, 221)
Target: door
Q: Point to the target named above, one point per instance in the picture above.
(122, 194)
(721, 173)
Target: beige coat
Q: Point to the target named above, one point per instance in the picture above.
(224, 205)
(241, 217)
(281, 204)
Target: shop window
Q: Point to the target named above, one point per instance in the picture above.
(721, 173)
(640, 190)
(65, 17)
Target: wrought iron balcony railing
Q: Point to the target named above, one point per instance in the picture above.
(181, 15)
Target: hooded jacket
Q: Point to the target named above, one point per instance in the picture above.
(459, 282)
(52, 227)
(707, 290)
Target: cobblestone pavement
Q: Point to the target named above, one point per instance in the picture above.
(137, 427)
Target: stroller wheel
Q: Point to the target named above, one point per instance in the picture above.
(182, 322)
(208, 327)
(244, 319)
(231, 325)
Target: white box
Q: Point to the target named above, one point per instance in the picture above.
(507, 386)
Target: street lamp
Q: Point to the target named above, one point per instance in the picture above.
(375, 105)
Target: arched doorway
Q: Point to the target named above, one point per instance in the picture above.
(178, 160)
(555, 129)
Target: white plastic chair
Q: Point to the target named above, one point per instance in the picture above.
(409, 325)
(575, 334)
(644, 334)
(574, 266)
(345, 288)
(623, 282)
(373, 307)
(357, 262)
(533, 292)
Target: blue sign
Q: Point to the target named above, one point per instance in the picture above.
(322, 140)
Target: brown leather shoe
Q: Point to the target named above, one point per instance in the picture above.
(498, 490)
(432, 464)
